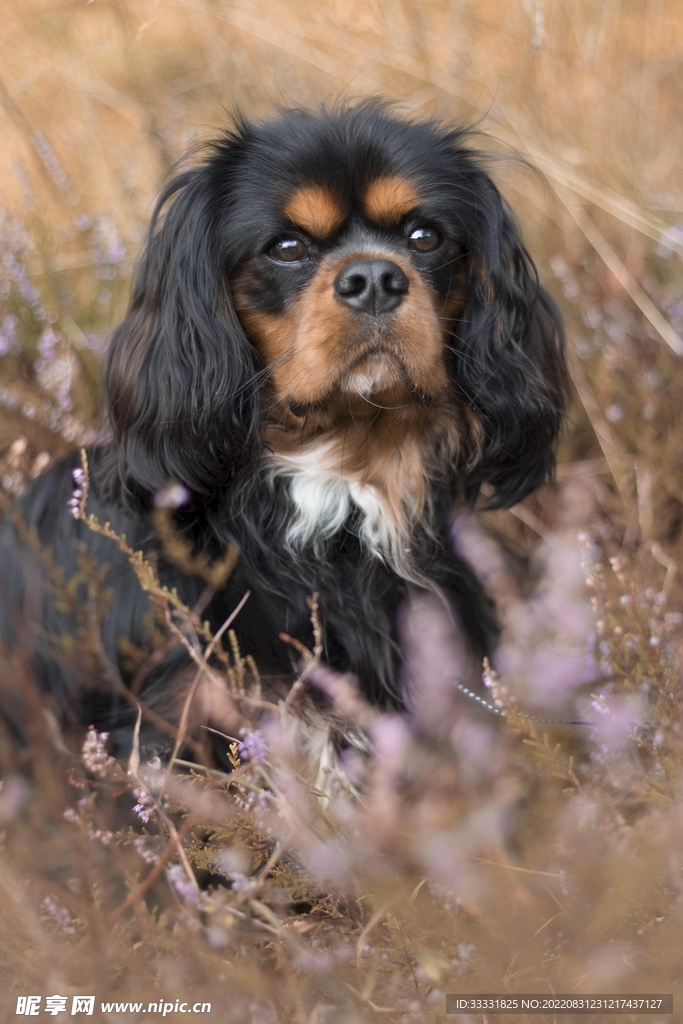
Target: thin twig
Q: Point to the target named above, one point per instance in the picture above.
(374, 920)
(623, 276)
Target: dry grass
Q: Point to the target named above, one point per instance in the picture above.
(529, 858)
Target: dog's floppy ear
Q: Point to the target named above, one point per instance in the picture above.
(179, 379)
(509, 356)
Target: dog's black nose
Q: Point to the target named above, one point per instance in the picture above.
(371, 286)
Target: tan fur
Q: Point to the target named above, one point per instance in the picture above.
(388, 200)
(316, 210)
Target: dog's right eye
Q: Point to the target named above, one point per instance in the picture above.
(289, 250)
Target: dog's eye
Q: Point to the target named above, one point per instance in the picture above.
(289, 250)
(424, 240)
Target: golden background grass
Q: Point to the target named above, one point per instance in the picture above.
(589, 93)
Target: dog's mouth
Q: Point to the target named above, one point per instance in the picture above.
(376, 376)
(374, 372)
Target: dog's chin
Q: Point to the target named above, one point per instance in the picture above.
(377, 375)
(377, 379)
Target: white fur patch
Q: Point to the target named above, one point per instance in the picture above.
(324, 499)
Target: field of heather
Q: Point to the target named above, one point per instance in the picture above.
(482, 853)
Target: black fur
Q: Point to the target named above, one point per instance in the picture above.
(183, 396)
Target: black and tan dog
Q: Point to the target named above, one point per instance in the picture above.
(336, 337)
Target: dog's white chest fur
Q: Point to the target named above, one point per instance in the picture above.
(324, 499)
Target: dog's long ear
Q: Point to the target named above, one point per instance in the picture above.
(509, 356)
(179, 379)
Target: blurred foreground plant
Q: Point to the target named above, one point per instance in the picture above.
(446, 849)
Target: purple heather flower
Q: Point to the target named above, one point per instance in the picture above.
(252, 746)
(671, 239)
(332, 860)
(28, 292)
(316, 960)
(9, 344)
(182, 884)
(77, 494)
(60, 914)
(617, 721)
(240, 883)
(478, 748)
(94, 755)
(145, 804)
(437, 660)
(390, 740)
(13, 795)
(147, 855)
(174, 495)
(261, 1014)
(50, 161)
(217, 938)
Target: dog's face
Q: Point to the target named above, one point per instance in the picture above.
(354, 284)
(358, 264)
(329, 267)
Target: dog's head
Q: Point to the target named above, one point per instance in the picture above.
(323, 267)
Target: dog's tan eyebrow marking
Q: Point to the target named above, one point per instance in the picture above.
(316, 210)
(389, 199)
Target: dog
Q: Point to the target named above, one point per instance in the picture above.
(336, 338)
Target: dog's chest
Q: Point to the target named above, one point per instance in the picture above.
(325, 500)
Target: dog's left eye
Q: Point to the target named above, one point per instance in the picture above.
(289, 250)
(424, 240)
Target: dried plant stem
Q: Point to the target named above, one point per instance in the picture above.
(669, 564)
(133, 771)
(226, 625)
(136, 894)
(527, 517)
(619, 464)
(378, 916)
(311, 659)
(182, 726)
(623, 276)
(617, 205)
